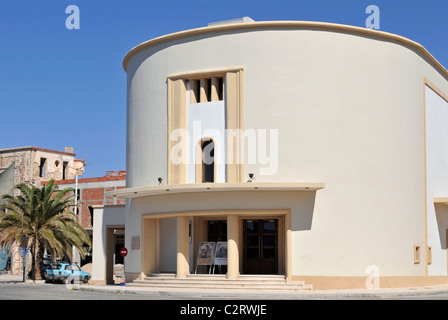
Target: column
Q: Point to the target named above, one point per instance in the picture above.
(232, 247)
(150, 246)
(194, 92)
(215, 89)
(203, 90)
(183, 250)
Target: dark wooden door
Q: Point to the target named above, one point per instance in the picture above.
(217, 231)
(260, 246)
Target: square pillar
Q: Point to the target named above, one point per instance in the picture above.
(232, 247)
(183, 250)
(150, 246)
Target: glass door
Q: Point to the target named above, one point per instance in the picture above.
(260, 246)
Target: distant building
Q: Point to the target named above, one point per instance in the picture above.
(92, 193)
(33, 166)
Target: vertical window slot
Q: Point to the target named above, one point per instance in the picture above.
(208, 161)
(42, 167)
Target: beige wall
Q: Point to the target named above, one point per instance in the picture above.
(349, 112)
(106, 219)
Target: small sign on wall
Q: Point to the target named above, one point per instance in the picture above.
(135, 243)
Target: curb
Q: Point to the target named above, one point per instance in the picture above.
(250, 294)
(268, 295)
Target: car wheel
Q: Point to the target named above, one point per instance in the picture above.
(86, 279)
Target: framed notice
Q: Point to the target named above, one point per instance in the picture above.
(135, 243)
(221, 253)
(206, 252)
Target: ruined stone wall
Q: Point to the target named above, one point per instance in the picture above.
(52, 167)
(35, 165)
(23, 169)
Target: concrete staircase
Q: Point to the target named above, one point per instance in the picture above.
(220, 282)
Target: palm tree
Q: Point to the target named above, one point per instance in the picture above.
(40, 218)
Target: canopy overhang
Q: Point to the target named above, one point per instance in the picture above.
(214, 187)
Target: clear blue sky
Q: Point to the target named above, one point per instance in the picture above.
(61, 87)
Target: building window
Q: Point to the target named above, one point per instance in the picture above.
(91, 215)
(220, 90)
(208, 161)
(78, 195)
(42, 167)
(64, 170)
(206, 90)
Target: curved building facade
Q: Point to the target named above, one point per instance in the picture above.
(311, 150)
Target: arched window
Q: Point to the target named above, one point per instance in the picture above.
(208, 161)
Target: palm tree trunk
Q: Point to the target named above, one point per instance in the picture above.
(36, 264)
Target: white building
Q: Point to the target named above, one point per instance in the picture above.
(344, 131)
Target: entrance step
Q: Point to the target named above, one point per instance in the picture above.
(216, 282)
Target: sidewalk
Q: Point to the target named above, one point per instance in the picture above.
(246, 294)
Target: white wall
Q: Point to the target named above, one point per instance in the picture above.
(169, 239)
(348, 110)
(104, 217)
(437, 178)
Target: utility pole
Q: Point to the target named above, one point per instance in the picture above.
(24, 263)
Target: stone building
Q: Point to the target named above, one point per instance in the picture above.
(34, 166)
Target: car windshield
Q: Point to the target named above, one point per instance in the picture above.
(55, 266)
(72, 267)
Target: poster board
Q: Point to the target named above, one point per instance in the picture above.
(206, 253)
(221, 253)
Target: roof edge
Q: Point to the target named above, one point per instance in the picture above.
(37, 149)
(299, 24)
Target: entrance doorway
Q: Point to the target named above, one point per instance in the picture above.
(217, 232)
(260, 246)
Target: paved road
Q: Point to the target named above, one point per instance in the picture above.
(13, 288)
(208, 304)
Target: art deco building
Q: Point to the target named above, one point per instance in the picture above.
(316, 151)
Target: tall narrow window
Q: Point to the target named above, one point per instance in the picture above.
(206, 90)
(64, 170)
(42, 167)
(208, 161)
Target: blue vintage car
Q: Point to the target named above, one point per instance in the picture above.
(66, 272)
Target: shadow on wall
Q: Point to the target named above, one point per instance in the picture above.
(303, 211)
(442, 223)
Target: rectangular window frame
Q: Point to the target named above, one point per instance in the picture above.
(234, 100)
